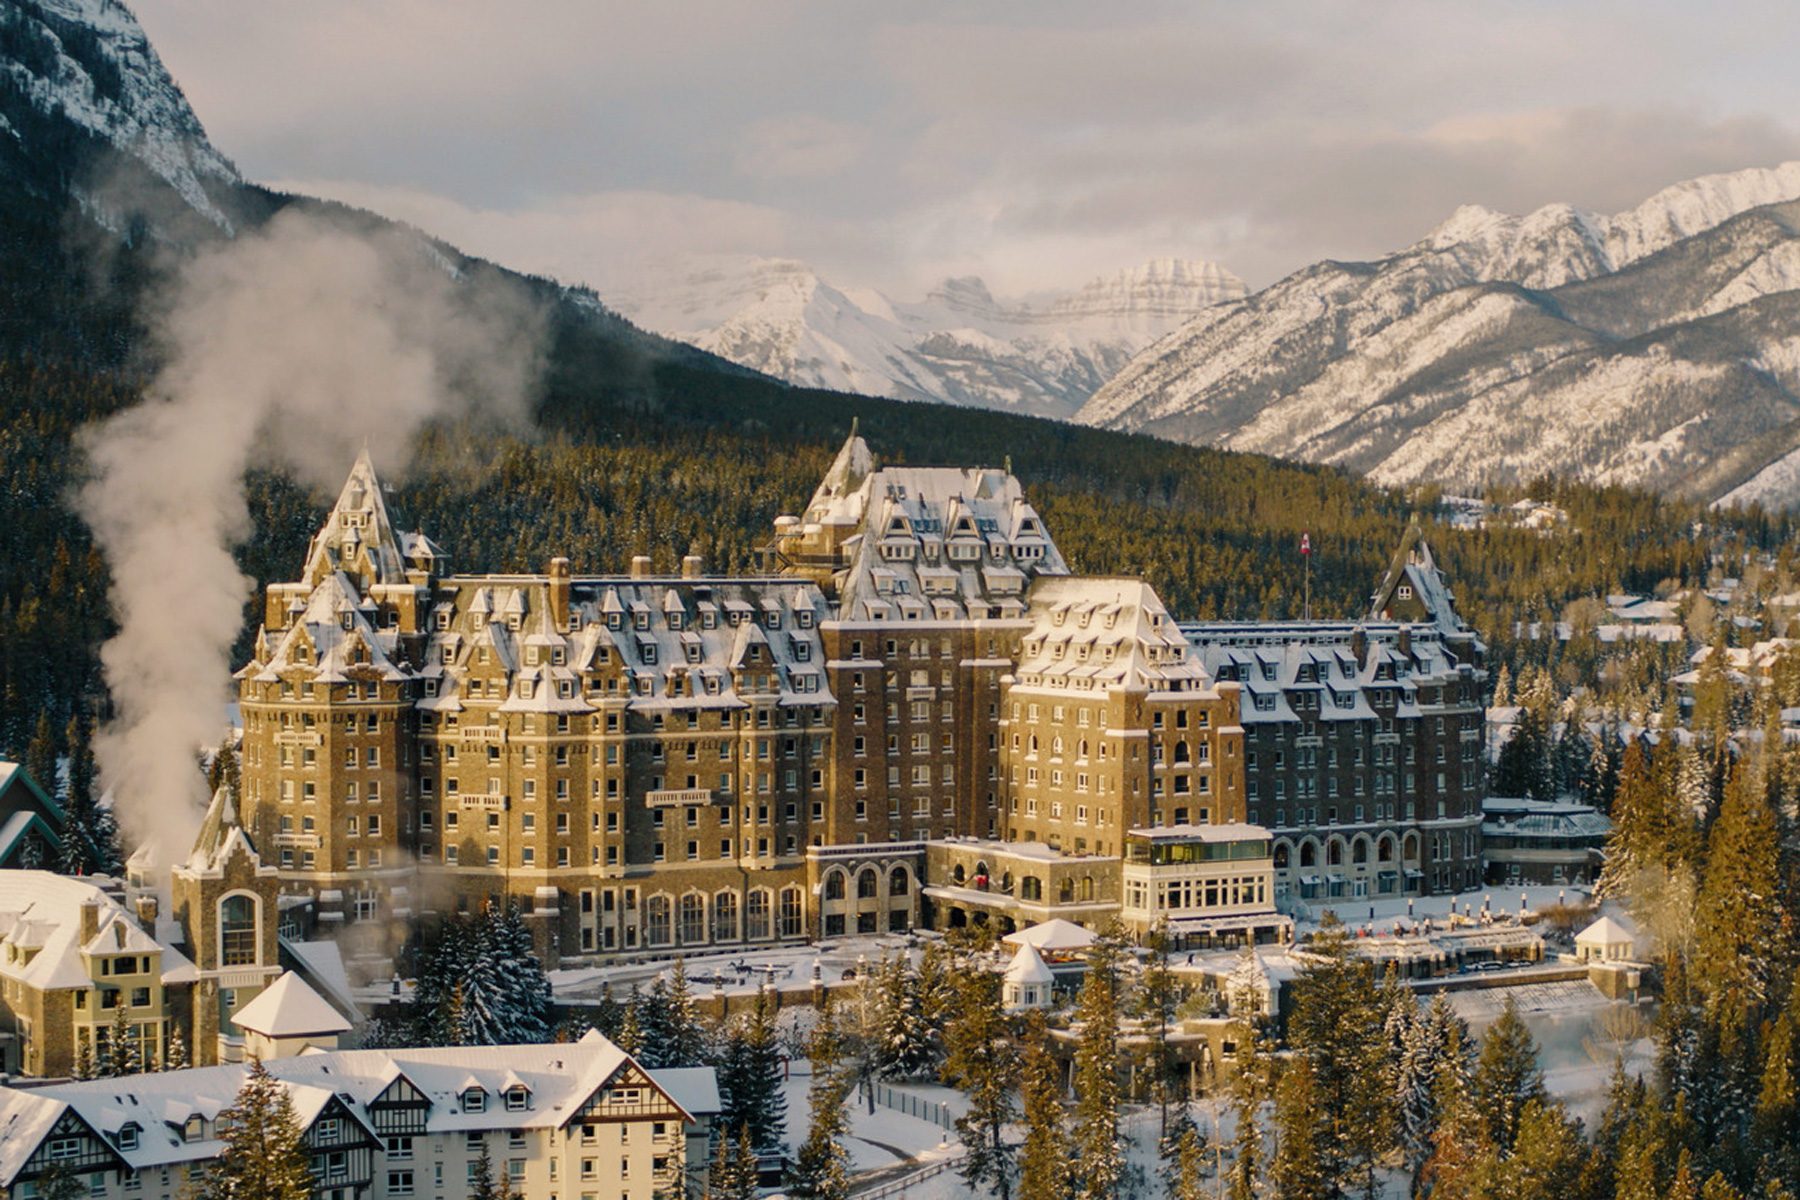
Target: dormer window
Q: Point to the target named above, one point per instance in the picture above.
(615, 620)
(443, 619)
(128, 1136)
(194, 1129)
(514, 621)
(517, 1099)
(474, 1100)
(1405, 591)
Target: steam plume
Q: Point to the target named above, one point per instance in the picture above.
(288, 348)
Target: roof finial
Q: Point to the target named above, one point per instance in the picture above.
(1008, 464)
(853, 423)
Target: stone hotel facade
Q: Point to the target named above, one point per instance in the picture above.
(915, 713)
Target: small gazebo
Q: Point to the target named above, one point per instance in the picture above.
(1606, 941)
(1056, 938)
(1028, 982)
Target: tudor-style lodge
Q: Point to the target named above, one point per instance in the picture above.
(916, 714)
(565, 1119)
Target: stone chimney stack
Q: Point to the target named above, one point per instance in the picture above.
(640, 566)
(1359, 645)
(693, 566)
(146, 912)
(90, 920)
(559, 592)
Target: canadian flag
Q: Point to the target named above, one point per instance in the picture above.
(1305, 543)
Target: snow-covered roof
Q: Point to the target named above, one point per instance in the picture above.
(561, 1077)
(1028, 966)
(926, 543)
(1101, 633)
(1606, 932)
(1055, 934)
(288, 1008)
(40, 931)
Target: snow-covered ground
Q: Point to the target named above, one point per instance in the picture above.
(737, 971)
(1381, 914)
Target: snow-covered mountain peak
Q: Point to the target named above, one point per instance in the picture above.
(961, 344)
(89, 62)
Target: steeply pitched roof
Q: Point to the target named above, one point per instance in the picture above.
(288, 1008)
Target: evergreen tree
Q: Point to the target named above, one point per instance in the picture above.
(733, 1172)
(1545, 1161)
(1158, 996)
(60, 1183)
(525, 999)
(1424, 1056)
(630, 1038)
(1303, 1148)
(1738, 919)
(1187, 1181)
(1337, 1023)
(822, 1166)
(906, 1050)
(1249, 1088)
(483, 1183)
(121, 1055)
(1044, 1162)
(687, 1035)
(261, 1157)
(980, 1060)
(1457, 1143)
(656, 1025)
(91, 836)
(1100, 1162)
(750, 1078)
(40, 755)
(1776, 1130)
(175, 1057)
(1506, 1078)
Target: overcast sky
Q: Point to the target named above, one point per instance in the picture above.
(1035, 144)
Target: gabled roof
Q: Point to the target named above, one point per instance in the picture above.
(288, 1008)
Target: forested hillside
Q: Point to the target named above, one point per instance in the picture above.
(643, 445)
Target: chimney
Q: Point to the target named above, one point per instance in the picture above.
(1359, 646)
(559, 592)
(1405, 639)
(693, 566)
(90, 920)
(640, 566)
(146, 913)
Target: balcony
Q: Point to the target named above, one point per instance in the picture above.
(303, 841)
(678, 797)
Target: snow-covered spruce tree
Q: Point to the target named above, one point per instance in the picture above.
(1337, 1023)
(1545, 1162)
(1188, 1180)
(655, 1024)
(1249, 1088)
(261, 1158)
(484, 1184)
(1099, 1157)
(1303, 1146)
(907, 1047)
(1738, 920)
(40, 753)
(91, 836)
(687, 1033)
(630, 1037)
(1776, 1128)
(1506, 1078)
(732, 1175)
(822, 1167)
(1425, 1054)
(175, 1055)
(750, 1076)
(122, 1055)
(526, 1000)
(1457, 1142)
(1157, 997)
(980, 1059)
(1044, 1164)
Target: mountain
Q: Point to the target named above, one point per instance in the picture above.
(1657, 347)
(1044, 355)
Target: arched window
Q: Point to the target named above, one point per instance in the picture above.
(725, 917)
(1359, 851)
(1334, 853)
(1087, 888)
(868, 884)
(834, 885)
(1181, 751)
(1384, 849)
(693, 919)
(1309, 854)
(756, 915)
(956, 873)
(1065, 892)
(237, 931)
(1282, 853)
(656, 920)
(1031, 888)
(898, 882)
(791, 925)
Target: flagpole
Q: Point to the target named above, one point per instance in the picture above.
(1306, 592)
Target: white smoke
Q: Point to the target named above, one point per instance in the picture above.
(287, 348)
